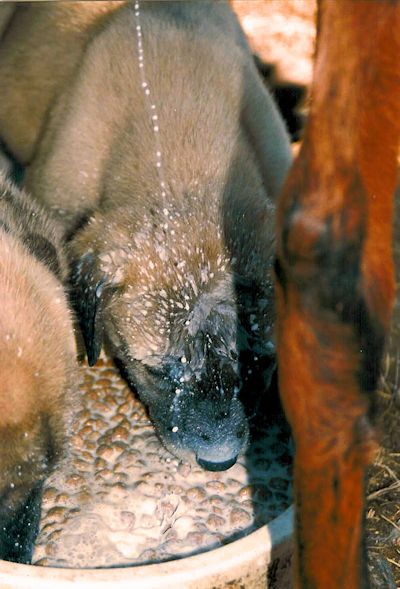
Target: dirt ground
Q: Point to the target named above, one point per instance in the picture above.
(282, 33)
(383, 493)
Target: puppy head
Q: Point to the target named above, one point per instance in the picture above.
(174, 326)
(192, 387)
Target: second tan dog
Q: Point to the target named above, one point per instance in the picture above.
(37, 361)
(146, 128)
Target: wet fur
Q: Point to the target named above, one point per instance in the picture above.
(165, 289)
(37, 352)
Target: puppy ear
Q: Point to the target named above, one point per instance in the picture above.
(91, 291)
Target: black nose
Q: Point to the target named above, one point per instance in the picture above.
(216, 466)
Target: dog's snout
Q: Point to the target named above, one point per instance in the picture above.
(216, 466)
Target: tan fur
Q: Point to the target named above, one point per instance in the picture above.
(64, 52)
(37, 351)
(74, 110)
(51, 38)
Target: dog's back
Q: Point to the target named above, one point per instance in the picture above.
(51, 38)
(83, 57)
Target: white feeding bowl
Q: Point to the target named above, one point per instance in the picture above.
(120, 511)
(261, 559)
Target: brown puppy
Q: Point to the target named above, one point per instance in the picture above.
(150, 123)
(37, 352)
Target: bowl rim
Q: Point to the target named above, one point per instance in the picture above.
(253, 550)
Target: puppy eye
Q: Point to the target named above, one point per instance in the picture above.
(240, 433)
(223, 415)
(155, 371)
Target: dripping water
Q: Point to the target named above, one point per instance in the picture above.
(150, 104)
